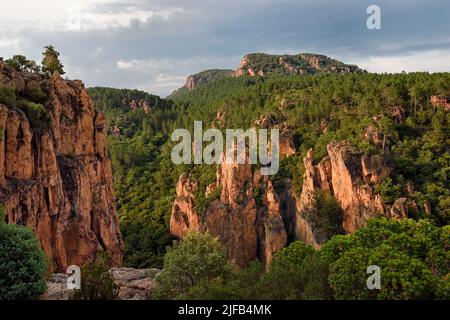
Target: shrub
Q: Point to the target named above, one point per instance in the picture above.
(8, 96)
(326, 217)
(21, 63)
(191, 266)
(296, 272)
(145, 243)
(2, 214)
(412, 256)
(34, 93)
(37, 114)
(96, 282)
(22, 263)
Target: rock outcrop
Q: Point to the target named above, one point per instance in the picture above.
(441, 102)
(253, 220)
(261, 64)
(207, 76)
(350, 179)
(55, 175)
(132, 284)
(247, 216)
(139, 104)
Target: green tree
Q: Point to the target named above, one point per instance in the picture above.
(22, 263)
(413, 258)
(387, 127)
(296, 272)
(51, 62)
(21, 63)
(2, 214)
(96, 281)
(191, 266)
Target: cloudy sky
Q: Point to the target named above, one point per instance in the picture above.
(154, 44)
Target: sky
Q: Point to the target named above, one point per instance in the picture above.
(153, 45)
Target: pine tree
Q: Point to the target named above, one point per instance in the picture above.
(50, 61)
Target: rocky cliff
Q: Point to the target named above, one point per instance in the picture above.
(254, 220)
(201, 78)
(247, 214)
(262, 64)
(350, 179)
(300, 64)
(55, 175)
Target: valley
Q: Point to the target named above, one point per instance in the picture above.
(363, 174)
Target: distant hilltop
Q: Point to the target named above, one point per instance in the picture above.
(262, 64)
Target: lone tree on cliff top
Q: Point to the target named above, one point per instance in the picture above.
(51, 62)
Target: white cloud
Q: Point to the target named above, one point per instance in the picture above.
(86, 19)
(431, 61)
(9, 47)
(81, 15)
(8, 43)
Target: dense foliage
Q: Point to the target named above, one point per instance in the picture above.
(144, 179)
(319, 109)
(96, 282)
(22, 262)
(192, 266)
(51, 62)
(20, 63)
(412, 256)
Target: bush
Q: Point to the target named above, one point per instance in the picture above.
(22, 264)
(8, 96)
(34, 93)
(21, 63)
(191, 266)
(145, 243)
(2, 214)
(296, 272)
(37, 114)
(96, 282)
(413, 258)
(326, 217)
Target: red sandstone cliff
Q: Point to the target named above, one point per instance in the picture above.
(254, 221)
(246, 217)
(55, 177)
(349, 179)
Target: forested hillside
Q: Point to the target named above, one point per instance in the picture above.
(318, 109)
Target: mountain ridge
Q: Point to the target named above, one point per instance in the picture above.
(264, 64)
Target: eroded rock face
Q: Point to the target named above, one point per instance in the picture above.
(373, 136)
(57, 179)
(206, 76)
(139, 104)
(253, 220)
(350, 180)
(184, 214)
(441, 102)
(357, 200)
(259, 64)
(247, 216)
